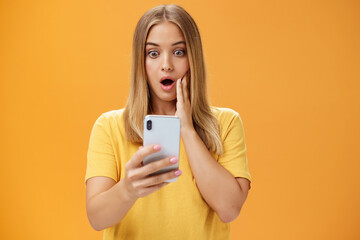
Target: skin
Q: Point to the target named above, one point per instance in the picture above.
(165, 56)
(107, 201)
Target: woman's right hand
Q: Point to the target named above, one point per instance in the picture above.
(137, 181)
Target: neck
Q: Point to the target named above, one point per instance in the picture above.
(163, 108)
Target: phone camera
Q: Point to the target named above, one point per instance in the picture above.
(149, 125)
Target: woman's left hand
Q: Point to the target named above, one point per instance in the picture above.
(183, 106)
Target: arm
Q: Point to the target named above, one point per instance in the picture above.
(219, 188)
(107, 202)
(223, 193)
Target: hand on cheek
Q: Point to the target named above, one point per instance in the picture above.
(183, 106)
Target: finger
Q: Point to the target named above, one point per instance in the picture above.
(140, 173)
(157, 165)
(179, 93)
(157, 179)
(140, 154)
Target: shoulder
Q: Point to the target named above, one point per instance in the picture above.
(113, 114)
(229, 121)
(224, 114)
(113, 117)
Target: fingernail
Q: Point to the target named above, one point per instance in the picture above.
(178, 172)
(173, 160)
(157, 147)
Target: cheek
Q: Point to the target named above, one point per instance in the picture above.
(183, 65)
(187, 65)
(149, 68)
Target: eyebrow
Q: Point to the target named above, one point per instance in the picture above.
(157, 45)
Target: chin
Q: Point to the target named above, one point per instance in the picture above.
(168, 98)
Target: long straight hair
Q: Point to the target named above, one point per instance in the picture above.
(139, 104)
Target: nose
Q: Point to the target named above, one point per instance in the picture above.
(167, 65)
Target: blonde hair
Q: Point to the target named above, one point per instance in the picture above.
(139, 104)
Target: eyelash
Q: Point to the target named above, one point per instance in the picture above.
(153, 51)
(182, 51)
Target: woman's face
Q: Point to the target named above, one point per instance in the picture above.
(166, 60)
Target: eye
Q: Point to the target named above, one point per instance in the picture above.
(179, 53)
(153, 54)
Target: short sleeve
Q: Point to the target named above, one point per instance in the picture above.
(101, 159)
(234, 157)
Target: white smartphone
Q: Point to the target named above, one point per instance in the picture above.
(165, 131)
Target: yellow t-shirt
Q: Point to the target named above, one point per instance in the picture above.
(178, 210)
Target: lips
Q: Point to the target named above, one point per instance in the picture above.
(167, 83)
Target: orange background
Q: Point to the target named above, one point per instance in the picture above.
(290, 68)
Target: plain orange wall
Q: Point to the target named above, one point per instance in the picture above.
(290, 68)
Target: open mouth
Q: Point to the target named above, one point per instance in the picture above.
(167, 82)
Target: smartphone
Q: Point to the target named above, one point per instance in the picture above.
(165, 131)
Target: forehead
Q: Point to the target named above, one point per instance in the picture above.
(165, 33)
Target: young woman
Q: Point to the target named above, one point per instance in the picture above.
(167, 78)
